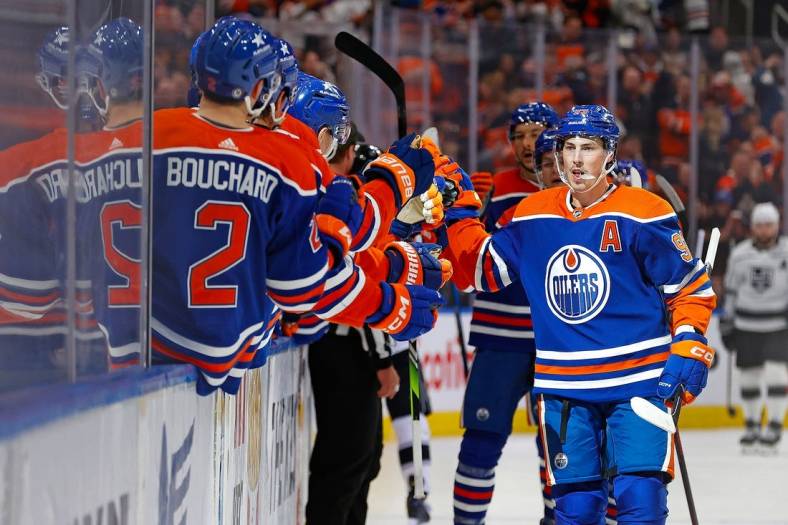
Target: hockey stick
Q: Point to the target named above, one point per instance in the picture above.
(415, 412)
(682, 461)
(674, 200)
(729, 385)
(657, 417)
(365, 55)
(455, 293)
(642, 407)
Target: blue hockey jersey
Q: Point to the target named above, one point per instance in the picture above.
(608, 286)
(502, 320)
(232, 221)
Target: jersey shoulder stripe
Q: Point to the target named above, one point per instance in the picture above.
(548, 203)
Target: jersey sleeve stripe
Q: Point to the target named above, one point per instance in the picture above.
(668, 289)
(501, 265)
(337, 301)
(294, 284)
(369, 227)
(480, 265)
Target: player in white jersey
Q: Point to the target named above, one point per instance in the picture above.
(755, 324)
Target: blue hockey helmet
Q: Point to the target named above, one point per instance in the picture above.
(112, 63)
(589, 121)
(287, 68)
(232, 58)
(592, 122)
(194, 95)
(321, 105)
(544, 146)
(52, 62)
(533, 113)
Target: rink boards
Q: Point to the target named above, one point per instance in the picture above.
(141, 447)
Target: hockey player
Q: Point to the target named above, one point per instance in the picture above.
(33, 311)
(755, 324)
(547, 171)
(544, 161)
(603, 264)
(248, 197)
(109, 214)
(502, 332)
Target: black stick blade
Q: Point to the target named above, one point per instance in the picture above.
(365, 55)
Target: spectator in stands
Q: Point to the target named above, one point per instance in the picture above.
(674, 127)
(716, 47)
(570, 41)
(633, 102)
(766, 81)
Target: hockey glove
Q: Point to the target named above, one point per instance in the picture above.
(407, 169)
(339, 216)
(482, 183)
(467, 203)
(414, 263)
(727, 331)
(406, 311)
(427, 207)
(688, 365)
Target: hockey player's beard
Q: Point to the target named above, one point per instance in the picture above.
(764, 243)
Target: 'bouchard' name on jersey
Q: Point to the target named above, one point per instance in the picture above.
(231, 172)
(113, 172)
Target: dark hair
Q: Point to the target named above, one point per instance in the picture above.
(355, 138)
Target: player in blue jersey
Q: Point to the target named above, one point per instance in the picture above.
(234, 221)
(502, 332)
(109, 214)
(619, 308)
(33, 312)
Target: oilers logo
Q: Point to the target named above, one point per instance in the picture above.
(577, 284)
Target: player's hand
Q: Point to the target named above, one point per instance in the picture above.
(727, 331)
(426, 207)
(688, 365)
(406, 311)
(467, 203)
(339, 215)
(389, 382)
(416, 263)
(407, 169)
(482, 183)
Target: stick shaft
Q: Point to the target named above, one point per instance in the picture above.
(460, 331)
(415, 412)
(685, 478)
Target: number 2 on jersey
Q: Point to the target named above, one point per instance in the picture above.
(126, 215)
(236, 216)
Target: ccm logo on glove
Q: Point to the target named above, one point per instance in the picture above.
(402, 315)
(702, 354)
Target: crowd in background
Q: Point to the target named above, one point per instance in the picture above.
(740, 99)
